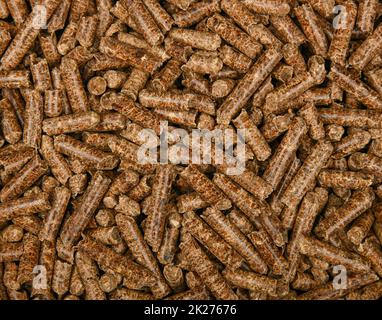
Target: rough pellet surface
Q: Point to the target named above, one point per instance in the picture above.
(190, 149)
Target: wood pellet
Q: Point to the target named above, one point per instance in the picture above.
(285, 188)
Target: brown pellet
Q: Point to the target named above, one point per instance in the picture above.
(251, 206)
(12, 233)
(9, 123)
(194, 12)
(155, 224)
(254, 184)
(73, 84)
(345, 179)
(234, 59)
(88, 273)
(72, 229)
(57, 163)
(313, 247)
(144, 22)
(370, 250)
(359, 89)
(307, 172)
(231, 233)
(287, 30)
(360, 228)
(70, 123)
(25, 37)
(254, 137)
(97, 86)
(28, 175)
(55, 216)
(141, 252)
(136, 276)
(209, 238)
(29, 259)
(34, 114)
(312, 29)
(283, 155)
(61, 277)
(75, 148)
(250, 280)
(203, 40)
(269, 252)
(358, 203)
(296, 83)
(207, 271)
(168, 247)
(241, 221)
(247, 86)
(339, 45)
(234, 36)
(310, 115)
(367, 50)
(203, 63)
(277, 101)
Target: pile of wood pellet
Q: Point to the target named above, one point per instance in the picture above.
(82, 218)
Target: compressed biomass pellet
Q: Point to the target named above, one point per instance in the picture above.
(190, 149)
